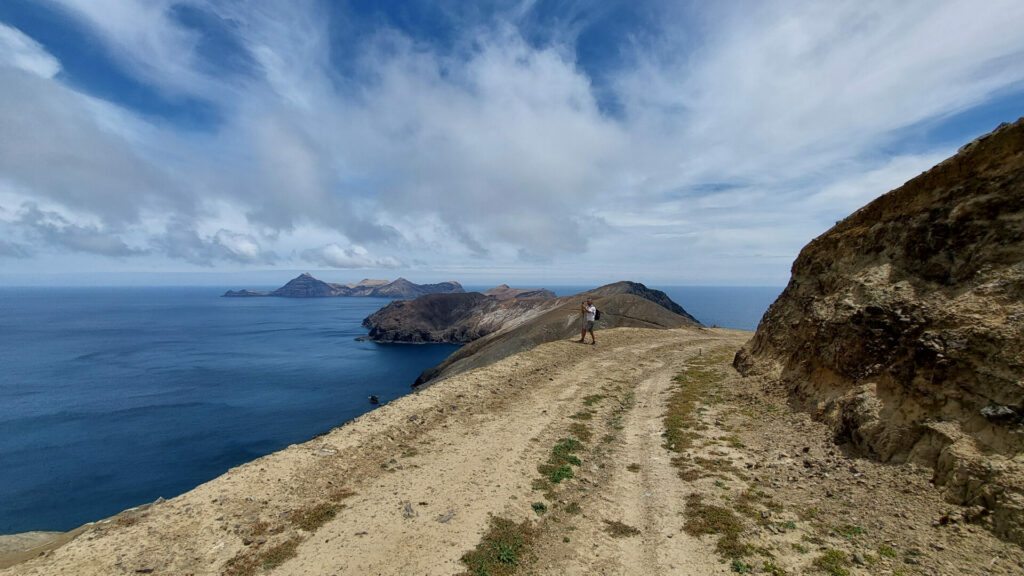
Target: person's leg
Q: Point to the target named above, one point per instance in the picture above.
(583, 332)
(592, 339)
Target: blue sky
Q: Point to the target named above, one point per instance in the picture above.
(544, 142)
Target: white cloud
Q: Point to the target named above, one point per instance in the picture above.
(336, 256)
(746, 129)
(20, 51)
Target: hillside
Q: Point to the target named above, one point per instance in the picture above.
(902, 328)
(671, 443)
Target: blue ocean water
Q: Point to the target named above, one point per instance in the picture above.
(113, 397)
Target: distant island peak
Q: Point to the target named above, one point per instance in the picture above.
(305, 285)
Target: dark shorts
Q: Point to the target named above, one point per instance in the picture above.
(588, 325)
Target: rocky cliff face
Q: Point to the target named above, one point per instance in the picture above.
(451, 318)
(903, 327)
(306, 286)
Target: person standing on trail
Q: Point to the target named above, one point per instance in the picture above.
(589, 311)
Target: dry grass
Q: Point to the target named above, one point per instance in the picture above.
(313, 517)
(619, 530)
(249, 563)
(703, 519)
(580, 431)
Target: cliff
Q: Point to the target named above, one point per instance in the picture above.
(306, 286)
(902, 327)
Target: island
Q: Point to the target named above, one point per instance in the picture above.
(306, 286)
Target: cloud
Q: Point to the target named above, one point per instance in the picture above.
(241, 247)
(180, 240)
(20, 51)
(706, 136)
(336, 256)
(13, 250)
(54, 230)
(53, 144)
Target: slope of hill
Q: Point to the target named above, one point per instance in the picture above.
(903, 328)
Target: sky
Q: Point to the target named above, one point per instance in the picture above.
(532, 143)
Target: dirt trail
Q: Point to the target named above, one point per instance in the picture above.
(412, 486)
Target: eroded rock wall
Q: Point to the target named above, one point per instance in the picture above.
(903, 327)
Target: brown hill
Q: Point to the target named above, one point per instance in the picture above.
(902, 327)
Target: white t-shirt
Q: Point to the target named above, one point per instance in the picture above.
(591, 310)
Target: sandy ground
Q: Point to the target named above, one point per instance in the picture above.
(411, 487)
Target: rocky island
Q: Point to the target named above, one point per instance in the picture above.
(306, 286)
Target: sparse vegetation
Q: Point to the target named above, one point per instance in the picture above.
(247, 563)
(833, 562)
(539, 507)
(560, 473)
(580, 431)
(619, 530)
(560, 463)
(849, 531)
(709, 519)
(740, 567)
(313, 517)
(127, 520)
(634, 467)
(682, 415)
(501, 549)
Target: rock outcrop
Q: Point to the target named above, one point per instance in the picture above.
(306, 286)
(903, 327)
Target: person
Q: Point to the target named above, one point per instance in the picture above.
(588, 310)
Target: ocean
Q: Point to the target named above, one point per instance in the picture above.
(114, 397)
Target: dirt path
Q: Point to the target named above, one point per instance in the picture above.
(569, 444)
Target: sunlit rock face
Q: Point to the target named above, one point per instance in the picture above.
(903, 327)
